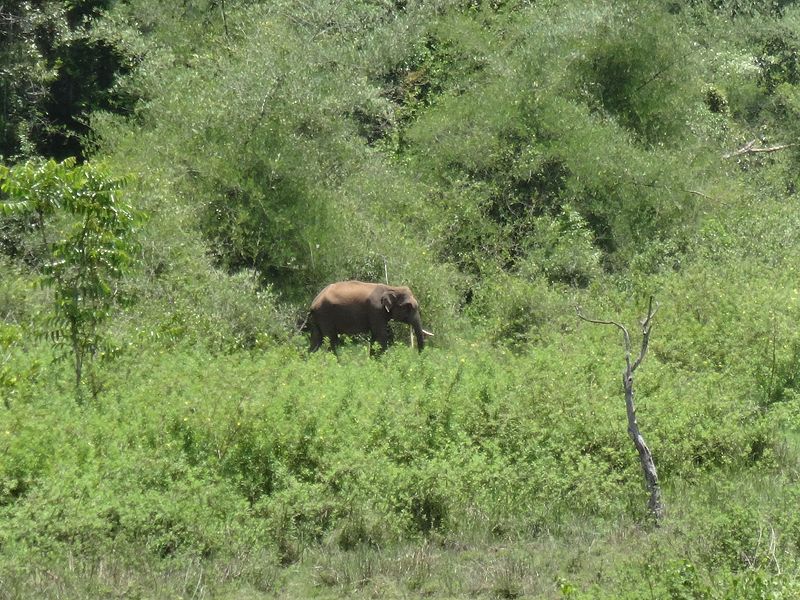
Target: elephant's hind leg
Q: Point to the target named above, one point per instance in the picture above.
(326, 331)
(334, 339)
(316, 338)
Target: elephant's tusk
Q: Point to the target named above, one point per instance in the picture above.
(428, 333)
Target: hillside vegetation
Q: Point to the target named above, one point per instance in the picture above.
(179, 180)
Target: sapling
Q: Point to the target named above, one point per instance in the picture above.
(87, 228)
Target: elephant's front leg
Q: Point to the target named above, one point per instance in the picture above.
(380, 334)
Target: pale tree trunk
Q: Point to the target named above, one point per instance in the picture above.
(655, 505)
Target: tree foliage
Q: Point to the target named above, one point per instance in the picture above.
(84, 257)
(54, 73)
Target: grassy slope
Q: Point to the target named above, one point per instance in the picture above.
(220, 461)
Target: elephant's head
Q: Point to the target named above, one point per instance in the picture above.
(401, 305)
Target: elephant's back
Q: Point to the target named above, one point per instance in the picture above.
(343, 293)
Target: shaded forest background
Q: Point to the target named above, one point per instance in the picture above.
(180, 179)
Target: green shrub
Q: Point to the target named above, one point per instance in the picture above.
(87, 227)
(634, 68)
(778, 55)
(515, 310)
(563, 250)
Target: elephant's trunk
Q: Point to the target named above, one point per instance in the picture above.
(416, 324)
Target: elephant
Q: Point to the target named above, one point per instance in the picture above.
(351, 307)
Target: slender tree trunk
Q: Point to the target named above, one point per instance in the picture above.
(655, 504)
(224, 17)
(77, 351)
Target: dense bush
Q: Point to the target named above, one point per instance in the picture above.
(438, 441)
(285, 453)
(55, 71)
(636, 67)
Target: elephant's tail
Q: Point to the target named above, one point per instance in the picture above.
(304, 325)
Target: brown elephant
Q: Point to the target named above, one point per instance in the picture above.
(351, 307)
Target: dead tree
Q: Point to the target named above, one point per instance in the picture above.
(655, 504)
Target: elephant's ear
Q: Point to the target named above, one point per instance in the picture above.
(387, 300)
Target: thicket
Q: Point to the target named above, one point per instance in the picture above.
(506, 160)
(54, 72)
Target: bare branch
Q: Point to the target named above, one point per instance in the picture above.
(619, 326)
(666, 188)
(583, 317)
(697, 193)
(749, 148)
(647, 325)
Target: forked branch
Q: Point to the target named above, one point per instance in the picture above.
(647, 325)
